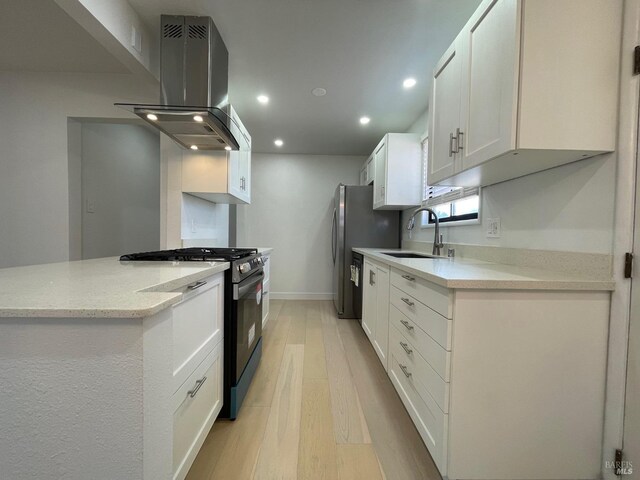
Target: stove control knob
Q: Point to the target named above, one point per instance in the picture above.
(244, 268)
(259, 259)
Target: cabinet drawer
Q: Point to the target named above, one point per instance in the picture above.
(430, 421)
(196, 405)
(424, 379)
(197, 326)
(434, 296)
(434, 324)
(427, 347)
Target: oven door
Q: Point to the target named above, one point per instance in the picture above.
(247, 296)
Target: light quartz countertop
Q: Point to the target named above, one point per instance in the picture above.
(265, 250)
(100, 288)
(469, 273)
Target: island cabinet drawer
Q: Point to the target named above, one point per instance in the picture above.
(431, 422)
(434, 296)
(424, 379)
(430, 321)
(437, 357)
(197, 325)
(196, 405)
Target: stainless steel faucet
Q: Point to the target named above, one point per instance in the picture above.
(437, 238)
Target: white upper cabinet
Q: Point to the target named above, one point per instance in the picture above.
(221, 177)
(445, 108)
(369, 169)
(527, 85)
(397, 175)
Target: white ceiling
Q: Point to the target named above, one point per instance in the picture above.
(358, 50)
(37, 35)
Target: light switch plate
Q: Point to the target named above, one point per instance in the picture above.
(136, 39)
(493, 228)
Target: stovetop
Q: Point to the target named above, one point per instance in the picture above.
(193, 254)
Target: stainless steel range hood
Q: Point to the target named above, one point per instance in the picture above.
(194, 73)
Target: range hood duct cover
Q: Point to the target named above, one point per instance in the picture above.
(194, 81)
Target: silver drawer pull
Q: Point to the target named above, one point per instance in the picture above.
(404, 369)
(406, 324)
(199, 383)
(408, 302)
(409, 277)
(196, 285)
(406, 348)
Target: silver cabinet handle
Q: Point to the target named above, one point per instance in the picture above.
(196, 285)
(409, 277)
(199, 383)
(451, 152)
(408, 302)
(372, 277)
(406, 348)
(459, 134)
(382, 191)
(406, 324)
(404, 369)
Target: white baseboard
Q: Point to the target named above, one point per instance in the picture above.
(300, 296)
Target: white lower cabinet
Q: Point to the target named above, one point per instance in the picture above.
(501, 384)
(197, 334)
(375, 307)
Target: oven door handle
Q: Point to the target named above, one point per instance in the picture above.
(240, 290)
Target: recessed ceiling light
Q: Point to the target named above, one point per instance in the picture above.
(263, 99)
(278, 143)
(318, 92)
(152, 117)
(198, 118)
(409, 82)
(193, 147)
(227, 148)
(364, 120)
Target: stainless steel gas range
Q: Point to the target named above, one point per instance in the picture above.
(242, 313)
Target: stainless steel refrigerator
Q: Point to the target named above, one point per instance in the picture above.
(356, 224)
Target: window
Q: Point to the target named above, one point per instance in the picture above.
(451, 204)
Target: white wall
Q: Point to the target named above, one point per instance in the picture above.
(121, 182)
(204, 223)
(34, 156)
(291, 208)
(566, 208)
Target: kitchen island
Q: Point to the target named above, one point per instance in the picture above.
(109, 369)
(502, 368)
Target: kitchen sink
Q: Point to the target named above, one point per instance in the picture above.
(407, 255)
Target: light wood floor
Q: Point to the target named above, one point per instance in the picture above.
(320, 407)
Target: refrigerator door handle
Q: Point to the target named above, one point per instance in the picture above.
(333, 236)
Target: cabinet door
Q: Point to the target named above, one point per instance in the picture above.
(380, 179)
(371, 170)
(245, 172)
(369, 301)
(445, 113)
(363, 175)
(381, 341)
(235, 184)
(489, 83)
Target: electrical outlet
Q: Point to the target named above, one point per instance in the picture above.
(91, 206)
(493, 227)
